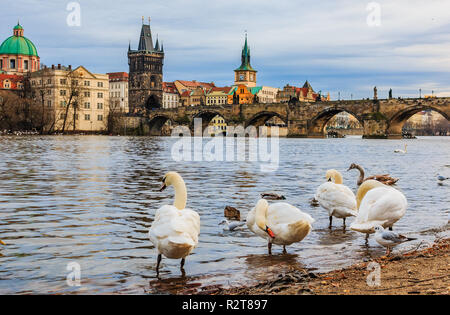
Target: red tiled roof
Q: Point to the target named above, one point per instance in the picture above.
(13, 79)
(169, 87)
(186, 94)
(195, 84)
(118, 76)
(225, 89)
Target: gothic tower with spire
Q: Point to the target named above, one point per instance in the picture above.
(146, 73)
(245, 74)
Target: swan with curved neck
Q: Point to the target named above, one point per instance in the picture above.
(385, 179)
(279, 223)
(336, 198)
(378, 204)
(174, 179)
(175, 229)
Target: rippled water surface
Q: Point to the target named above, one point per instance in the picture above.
(91, 200)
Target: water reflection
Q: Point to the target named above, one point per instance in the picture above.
(93, 199)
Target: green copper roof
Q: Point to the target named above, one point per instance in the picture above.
(18, 45)
(245, 66)
(255, 90)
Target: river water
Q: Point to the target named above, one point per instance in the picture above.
(91, 200)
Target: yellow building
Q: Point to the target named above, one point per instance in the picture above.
(217, 126)
(217, 96)
(77, 99)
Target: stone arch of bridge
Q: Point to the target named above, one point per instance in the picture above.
(261, 118)
(156, 124)
(316, 126)
(206, 116)
(396, 123)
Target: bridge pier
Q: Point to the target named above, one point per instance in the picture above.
(297, 129)
(375, 126)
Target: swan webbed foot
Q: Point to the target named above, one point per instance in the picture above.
(331, 222)
(391, 228)
(269, 247)
(157, 264)
(284, 250)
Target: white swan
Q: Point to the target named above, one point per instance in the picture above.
(336, 198)
(175, 229)
(378, 204)
(402, 151)
(280, 223)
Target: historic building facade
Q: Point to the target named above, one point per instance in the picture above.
(78, 100)
(146, 73)
(171, 97)
(118, 91)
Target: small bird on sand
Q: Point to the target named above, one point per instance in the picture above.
(389, 239)
(231, 226)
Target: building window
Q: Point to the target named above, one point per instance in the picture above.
(12, 64)
(100, 84)
(87, 83)
(87, 94)
(100, 95)
(87, 105)
(62, 92)
(25, 64)
(63, 81)
(100, 117)
(49, 81)
(87, 117)
(100, 106)
(62, 116)
(63, 103)
(49, 104)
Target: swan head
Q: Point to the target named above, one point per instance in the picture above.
(223, 222)
(170, 179)
(365, 188)
(334, 176)
(352, 167)
(261, 217)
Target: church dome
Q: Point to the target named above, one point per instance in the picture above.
(18, 44)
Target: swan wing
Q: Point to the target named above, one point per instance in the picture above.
(175, 232)
(337, 199)
(381, 206)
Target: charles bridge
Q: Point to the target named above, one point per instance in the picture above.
(381, 119)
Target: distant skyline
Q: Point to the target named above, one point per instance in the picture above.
(330, 43)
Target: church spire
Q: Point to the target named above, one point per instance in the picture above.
(245, 59)
(145, 40)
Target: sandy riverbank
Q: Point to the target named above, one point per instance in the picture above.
(418, 272)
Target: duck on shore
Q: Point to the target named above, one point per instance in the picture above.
(385, 179)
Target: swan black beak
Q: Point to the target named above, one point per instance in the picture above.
(163, 187)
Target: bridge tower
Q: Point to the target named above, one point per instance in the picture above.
(146, 73)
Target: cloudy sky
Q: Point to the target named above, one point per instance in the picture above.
(328, 42)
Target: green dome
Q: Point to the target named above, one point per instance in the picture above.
(18, 27)
(18, 45)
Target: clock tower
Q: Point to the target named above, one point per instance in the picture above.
(245, 74)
